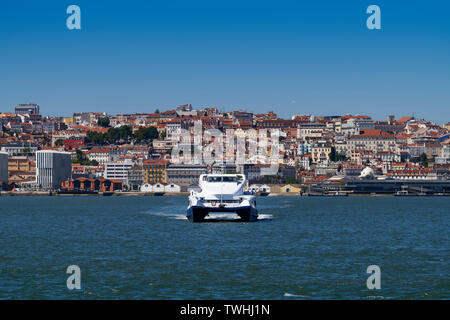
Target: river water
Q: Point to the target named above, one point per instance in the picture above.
(300, 248)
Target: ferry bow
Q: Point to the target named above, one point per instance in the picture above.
(221, 193)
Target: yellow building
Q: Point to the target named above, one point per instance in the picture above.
(290, 189)
(154, 171)
(68, 120)
(20, 164)
(21, 169)
(320, 153)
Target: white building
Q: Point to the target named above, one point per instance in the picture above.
(310, 130)
(146, 187)
(118, 170)
(355, 124)
(4, 167)
(172, 188)
(17, 148)
(52, 168)
(158, 187)
(445, 155)
(173, 128)
(99, 155)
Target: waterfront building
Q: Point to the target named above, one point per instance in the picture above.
(3, 167)
(146, 187)
(223, 168)
(154, 171)
(158, 188)
(91, 185)
(252, 171)
(172, 188)
(289, 188)
(21, 169)
(135, 177)
(52, 168)
(185, 174)
(118, 170)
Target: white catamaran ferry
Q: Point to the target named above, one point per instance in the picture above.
(221, 193)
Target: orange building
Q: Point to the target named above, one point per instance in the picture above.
(96, 184)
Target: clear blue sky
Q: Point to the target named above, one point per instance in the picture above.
(288, 56)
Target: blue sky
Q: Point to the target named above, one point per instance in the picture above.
(292, 57)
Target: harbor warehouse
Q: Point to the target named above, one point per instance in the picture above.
(52, 168)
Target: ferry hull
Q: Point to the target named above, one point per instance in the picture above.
(198, 214)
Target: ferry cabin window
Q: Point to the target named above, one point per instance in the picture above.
(229, 179)
(222, 179)
(214, 179)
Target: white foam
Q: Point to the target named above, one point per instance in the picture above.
(222, 216)
(170, 215)
(213, 216)
(287, 294)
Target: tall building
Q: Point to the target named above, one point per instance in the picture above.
(52, 168)
(27, 109)
(154, 171)
(4, 167)
(118, 170)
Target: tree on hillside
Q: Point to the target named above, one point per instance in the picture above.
(59, 142)
(95, 137)
(103, 122)
(334, 156)
(422, 159)
(145, 134)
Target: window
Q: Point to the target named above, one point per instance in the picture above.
(229, 179)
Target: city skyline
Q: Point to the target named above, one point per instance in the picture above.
(221, 111)
(293, 58)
